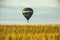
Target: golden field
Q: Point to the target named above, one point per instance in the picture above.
(30, 32)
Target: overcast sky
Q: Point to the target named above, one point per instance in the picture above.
(45, 11)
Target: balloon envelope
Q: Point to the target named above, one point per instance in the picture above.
(27, 12)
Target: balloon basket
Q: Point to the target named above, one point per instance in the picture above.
(27, 21)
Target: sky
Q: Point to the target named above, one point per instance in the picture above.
(45, 11)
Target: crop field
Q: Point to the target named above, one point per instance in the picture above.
(30, 32)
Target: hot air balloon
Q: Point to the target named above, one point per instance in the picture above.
(27, 12)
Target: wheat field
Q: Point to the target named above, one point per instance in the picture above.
(30, 32)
